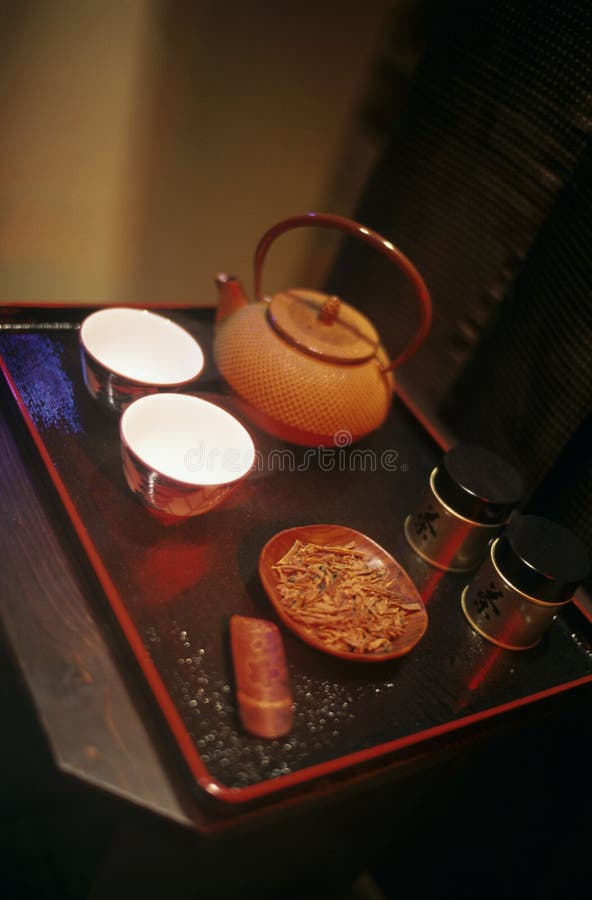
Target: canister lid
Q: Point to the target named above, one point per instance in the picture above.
(542, 559)
(478, 484)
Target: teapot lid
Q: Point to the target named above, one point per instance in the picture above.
(324, 326)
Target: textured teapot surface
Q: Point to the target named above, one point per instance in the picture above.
(294, 393)
(309, 368)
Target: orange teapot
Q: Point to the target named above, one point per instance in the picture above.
(307, 367)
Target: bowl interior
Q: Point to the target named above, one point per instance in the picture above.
(374, 555)
(187, 439)
(142, 346)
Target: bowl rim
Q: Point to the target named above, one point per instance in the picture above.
(128, 378)
(171, 479)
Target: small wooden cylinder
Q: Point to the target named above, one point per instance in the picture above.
(261, 673)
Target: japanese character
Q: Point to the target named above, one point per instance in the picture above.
(486, 600)
(424, 523)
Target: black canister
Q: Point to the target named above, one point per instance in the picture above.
(533, 570)
(470, 498)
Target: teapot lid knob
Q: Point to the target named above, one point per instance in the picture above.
(329, 311)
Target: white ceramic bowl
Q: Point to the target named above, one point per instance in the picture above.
(183, 455)
(128, 353)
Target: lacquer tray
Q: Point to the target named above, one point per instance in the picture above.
(173, 588)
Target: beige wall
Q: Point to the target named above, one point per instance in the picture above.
(147, 145)
(68, 81)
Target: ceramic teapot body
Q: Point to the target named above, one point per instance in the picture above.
(307, 367)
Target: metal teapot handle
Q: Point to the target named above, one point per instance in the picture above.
(354, 229)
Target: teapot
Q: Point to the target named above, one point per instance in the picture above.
(305, 366)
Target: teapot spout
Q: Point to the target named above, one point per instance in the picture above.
(231, 296)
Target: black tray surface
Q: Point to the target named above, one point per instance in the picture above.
(180, 583)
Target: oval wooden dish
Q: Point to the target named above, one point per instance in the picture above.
(338, 536)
